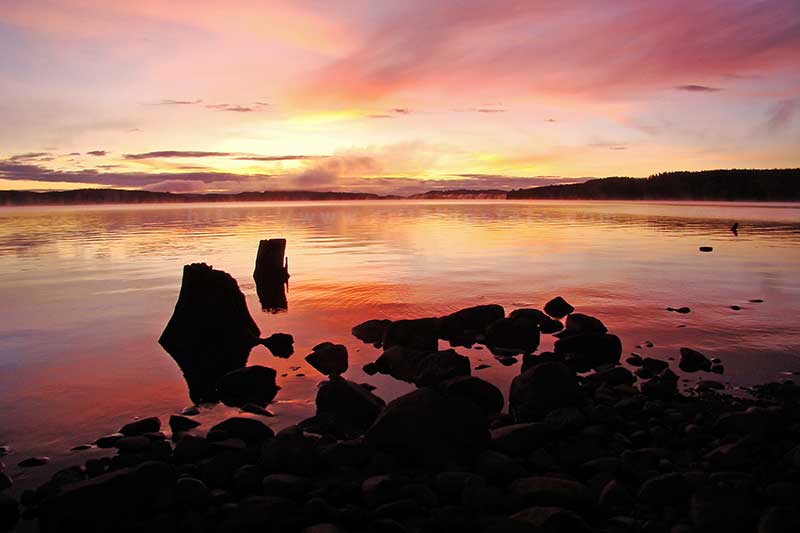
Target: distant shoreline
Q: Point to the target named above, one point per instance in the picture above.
(735, 185)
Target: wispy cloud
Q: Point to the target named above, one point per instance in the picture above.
(169, 101)
(32, 156)
(97, 152)
(782, 114)
(698, 88)
(166, 154)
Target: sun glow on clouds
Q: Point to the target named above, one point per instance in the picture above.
(374, 96)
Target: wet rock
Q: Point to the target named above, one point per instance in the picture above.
(706, 249)
(256, 410)
(251, 384)
(579, 324)
(783, 519)
(9, 511)
(613, 376)
(478, 391)
(656, 366)
(33, 461)
(551, 520)
(635, 360)
(693, 361)
(400, 362)
(507, 360)
(615, 496)
(247, 429)
(428, 426)
(439, 366)
(348, 407)
(328, 358)
(681, 310)
(721, 507)
(371, 331)
(666, 489)
(474, 319)
(420, 334)
(370, 369)
(482, 367)
(211, 331)
(190, 449)
(546, 324)
(80, 448)
(136, 443)
(718, 369)
(541, 389)
(521, 439)
(558, 307)
(179, 423)
(140, 427)
(565, 419)
(590, 349)
(286, 485)
(519, 335)
(192, 410)
(192, 492)
(279, 344)
(550, 491)
(5, 481)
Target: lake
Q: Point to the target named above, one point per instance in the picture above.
(86, 292)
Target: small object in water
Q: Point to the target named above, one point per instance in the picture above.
(192, 410)
(648, 344)
(300, 375)
(681, 326)
(706, 249)
(256, 410)
(80, 447)
(736, 308)
(4, 450)
(481, 367)
(735, 229)
(683, 310)
(756, 301)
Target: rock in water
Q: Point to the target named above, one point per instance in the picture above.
(420, 334)
(251, 384)
(211, 331)
(541, 389)
(558, 307)
(179, 423)
(371, 331)
(579, 324)
(279, 344)
(706, 249)
(439, 366)
(478, 391)
(693, 361)
(518, 335)
(328, 358)
(140, 427)
(430, 427)
(347, 407)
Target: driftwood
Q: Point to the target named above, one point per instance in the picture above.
(272, 275)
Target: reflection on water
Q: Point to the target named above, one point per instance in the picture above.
(87, 291)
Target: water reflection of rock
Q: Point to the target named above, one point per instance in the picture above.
(272, 275)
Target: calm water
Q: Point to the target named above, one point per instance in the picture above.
(86, 291)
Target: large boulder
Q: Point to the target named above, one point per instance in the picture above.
(246, 429)
(400, 362)
(419, 333)
(439, 366)
(541, 389)
(251, 384)
(462, 326)
(579, 324)
(371, 331)
(347, 408)
(590, 350)
(558, 307)
(328, 358)
(546, 324)
(478, 391)
(279, 344)
(430, 427)
(211, 331)
(518, 335)
(693, 361)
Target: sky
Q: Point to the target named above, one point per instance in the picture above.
(391, 97)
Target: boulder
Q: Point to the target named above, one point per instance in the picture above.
(545, 323)
(693, 361)
(211, 331)
(179, 423)
(472, 319)
(478, 391)
(279, 344)
(140, 427)
(371, 331)
(348, 407)
(250, 384)
(541, 389)
(328, 358)
(578, 324)
(551, 520)
(541, 490)
(558, 307)
(420, 334)
(439, 366)
(590, 350)
(400, 362)
(518, 335)
(431, 427)
(9, 511)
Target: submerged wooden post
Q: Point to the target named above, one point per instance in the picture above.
(272, 274)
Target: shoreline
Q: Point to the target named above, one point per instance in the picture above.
(590, 445)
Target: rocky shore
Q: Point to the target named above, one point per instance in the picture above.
(585, 440)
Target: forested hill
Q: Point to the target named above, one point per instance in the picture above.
(778, 185)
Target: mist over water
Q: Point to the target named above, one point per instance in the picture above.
(86, 292)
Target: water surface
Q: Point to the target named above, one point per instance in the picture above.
(86, 291)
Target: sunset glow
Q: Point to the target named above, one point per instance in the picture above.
(391, 97)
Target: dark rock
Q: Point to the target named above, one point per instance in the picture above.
(706, 249)
(279, 344)
(400, 362)
(190, 449)
(507, 360)
(286, 485)
(666, 489)
(551, 520)
(370, 369)
(550, 491)
(256, 410)
(136, 443)
(654, 365)
(211, 331)
(9, 511)
(579, 324)
(322, 528)
(545, 323)
(80, 448)
(693, 361)
(478, 391)
(179, 423)
(474, 319)
(192, 492)
(192, 410)
(371, 331)
(558, 307)
(482, 367)
(247, 429)
(565, 419)
(429, 426)
(615, 496)
(348, 406)
(439, 366)
(591, 349)
(250, 384)
(736, 308)
(519, 335)
(718, 369)
(498, 468)
(519, 439)
(541, 389)
(420, 334)
(5, 481)
(780, 520)
(635, 360)
(33, 461)
(328, 358)
(108, 440)
(139, 427)
(722, 507)
(613, 376)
